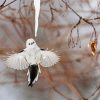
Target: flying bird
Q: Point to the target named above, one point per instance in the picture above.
(31, 58)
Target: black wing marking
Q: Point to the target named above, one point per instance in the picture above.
(43, 49)
(21, 51)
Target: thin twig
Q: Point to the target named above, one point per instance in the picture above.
(79, 22)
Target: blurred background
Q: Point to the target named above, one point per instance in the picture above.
(66, 27)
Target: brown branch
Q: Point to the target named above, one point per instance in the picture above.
(52, 14)
(71, 38)
(3, 6)
(3, 3)
(98, 88)
(79, 22)
(49, 77)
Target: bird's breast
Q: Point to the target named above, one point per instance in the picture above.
(33, 57)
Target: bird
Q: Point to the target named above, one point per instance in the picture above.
(31, 58)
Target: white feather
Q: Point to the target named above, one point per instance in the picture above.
(49, 58)
(28, 74)
(17, 61)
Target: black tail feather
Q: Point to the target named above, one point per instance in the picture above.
(30, 84)
(33, 72)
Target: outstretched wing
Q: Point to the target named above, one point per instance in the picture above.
(49, 58)
(17, 61)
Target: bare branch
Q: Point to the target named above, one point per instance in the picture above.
(79, 22)
(3, 6)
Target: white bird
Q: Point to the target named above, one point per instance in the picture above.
(31, 57)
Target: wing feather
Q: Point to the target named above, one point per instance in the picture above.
(49, 58)
(17, 61)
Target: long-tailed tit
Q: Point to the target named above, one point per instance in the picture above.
(31, 57)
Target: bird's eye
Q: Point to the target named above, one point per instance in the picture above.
(29, 43)
(32, 43)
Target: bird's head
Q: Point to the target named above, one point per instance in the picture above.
(30, 43)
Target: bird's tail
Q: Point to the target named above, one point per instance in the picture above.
(30, 84)
(33, 73)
